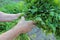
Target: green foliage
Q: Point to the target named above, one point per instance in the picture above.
(45, 11)
(13, 8)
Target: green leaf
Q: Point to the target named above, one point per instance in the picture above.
(52, 13)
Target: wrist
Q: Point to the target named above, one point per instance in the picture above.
(18, 29)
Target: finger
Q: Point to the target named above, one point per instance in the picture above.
(31, 22)
(19, 14)
(22, 18)
(33, 26)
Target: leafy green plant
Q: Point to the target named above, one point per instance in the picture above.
(45, 11)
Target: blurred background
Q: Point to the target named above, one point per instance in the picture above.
(46, 14)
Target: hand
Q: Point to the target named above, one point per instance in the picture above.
(25, 26)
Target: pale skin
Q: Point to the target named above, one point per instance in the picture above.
(22, 26)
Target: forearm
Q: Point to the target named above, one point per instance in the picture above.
(11, 34)
(8, 17)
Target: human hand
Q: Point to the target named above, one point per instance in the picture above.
(25, 26)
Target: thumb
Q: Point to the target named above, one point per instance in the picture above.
(22, 18)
